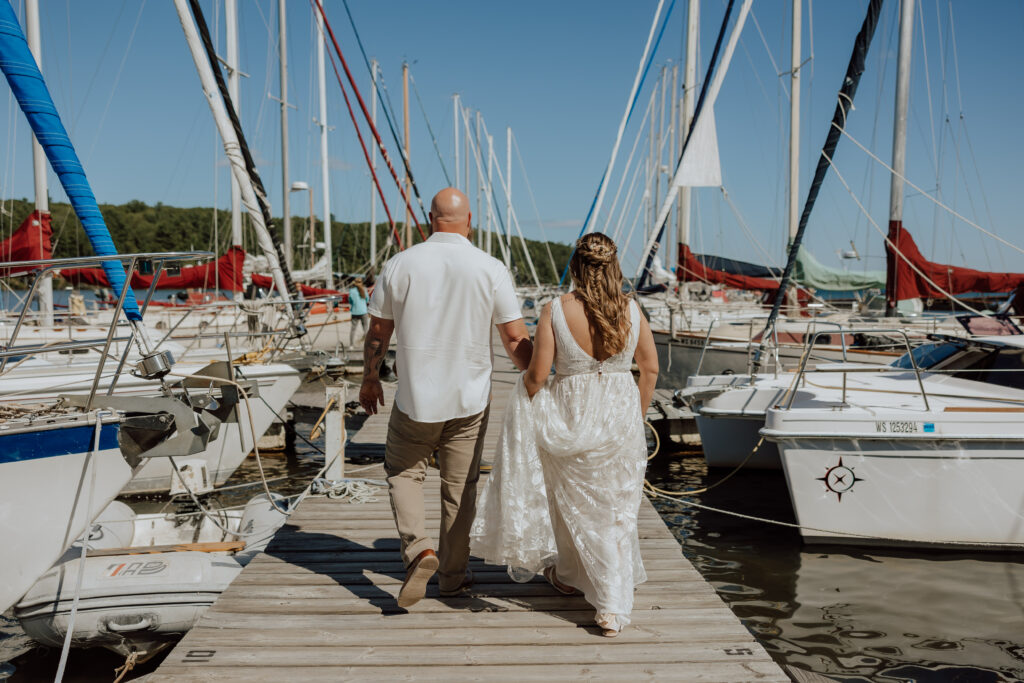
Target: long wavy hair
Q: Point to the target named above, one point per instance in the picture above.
(597, 277)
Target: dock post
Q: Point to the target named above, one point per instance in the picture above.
(334, 433)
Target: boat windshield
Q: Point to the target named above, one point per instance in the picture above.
(928, 355)
(1004, 367)
(1001, 366)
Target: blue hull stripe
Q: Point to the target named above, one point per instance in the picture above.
(52, 443)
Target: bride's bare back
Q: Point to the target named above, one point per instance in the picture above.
(582, 330)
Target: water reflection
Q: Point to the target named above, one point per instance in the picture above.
(854, 614)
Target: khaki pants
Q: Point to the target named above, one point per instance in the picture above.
(459, 444)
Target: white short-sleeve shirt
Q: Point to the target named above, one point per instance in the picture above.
(444, 295)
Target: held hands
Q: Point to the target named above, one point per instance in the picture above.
(371, 393)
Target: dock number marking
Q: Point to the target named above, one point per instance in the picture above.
(198, 656)
(738, 651)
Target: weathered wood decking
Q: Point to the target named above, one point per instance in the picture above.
(319, 604)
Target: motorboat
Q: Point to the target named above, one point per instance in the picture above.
(730, 409)
(901, 455)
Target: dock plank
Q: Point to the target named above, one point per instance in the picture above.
(319, 604)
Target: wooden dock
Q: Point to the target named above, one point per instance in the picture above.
(319, 604)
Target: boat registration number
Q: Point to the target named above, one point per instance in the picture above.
(898, 427)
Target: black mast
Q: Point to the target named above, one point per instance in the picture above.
(250, 166)
(844, 103)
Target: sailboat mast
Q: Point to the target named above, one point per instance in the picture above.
(899, 149)
(373, 166)
(405, 115)
(481, 241)
(45, 287)
(231, 31)
(673, 126)
(286, 215)
(689, 91)
(792, 204)
(466, 134)
(508, 186)
(455, 135)
(324, 177)
(659, 139)
(490, 190)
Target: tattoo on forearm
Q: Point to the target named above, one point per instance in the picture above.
(374, 350)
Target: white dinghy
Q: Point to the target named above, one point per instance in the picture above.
(146, 579)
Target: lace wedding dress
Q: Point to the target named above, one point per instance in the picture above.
(567, 478)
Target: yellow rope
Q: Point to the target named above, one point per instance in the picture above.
(657, 440)
(253, 357)
(129, 664)
(675, 494)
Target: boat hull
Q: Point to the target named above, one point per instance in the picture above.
(907, 492)
(729, 441)
(141, 603)
(46, 502)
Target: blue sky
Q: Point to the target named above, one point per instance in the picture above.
(558, 73)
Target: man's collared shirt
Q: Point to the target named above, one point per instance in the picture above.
(444, 295)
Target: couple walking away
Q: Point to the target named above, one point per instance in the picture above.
(566, 484)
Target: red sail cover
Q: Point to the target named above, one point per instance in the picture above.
(953, 279)
(30, 242)
(267, 282)
(225, 272)
(692, 270)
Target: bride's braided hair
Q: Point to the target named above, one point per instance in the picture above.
(598, 280)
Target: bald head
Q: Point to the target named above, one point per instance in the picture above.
(449, 212)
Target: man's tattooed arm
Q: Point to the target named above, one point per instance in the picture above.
(375, 346)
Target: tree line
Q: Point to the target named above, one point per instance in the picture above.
(137, 227)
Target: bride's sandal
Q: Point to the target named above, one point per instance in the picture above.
(563, 588)
(609, 625)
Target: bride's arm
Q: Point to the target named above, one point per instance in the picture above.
(646, 356)
(543, 354)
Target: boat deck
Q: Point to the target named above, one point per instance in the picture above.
(319, 604)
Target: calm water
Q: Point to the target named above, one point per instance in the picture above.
(852, 614)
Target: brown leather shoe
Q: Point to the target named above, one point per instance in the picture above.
(416, 578)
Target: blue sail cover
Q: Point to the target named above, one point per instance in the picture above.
(27, 83)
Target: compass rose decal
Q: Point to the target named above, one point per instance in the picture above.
(839, 479)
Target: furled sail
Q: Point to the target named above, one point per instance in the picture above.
(810, 272)
(914, 284)
(31, 241)
(225, 272)
(693, 269)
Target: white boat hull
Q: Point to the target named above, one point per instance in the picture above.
(46, 502)
(129, 602)
(900, 492)
(137, 601)
(223, 455)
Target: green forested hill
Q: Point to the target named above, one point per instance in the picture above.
(139, 227)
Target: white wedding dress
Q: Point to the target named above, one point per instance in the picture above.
(567, 479)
